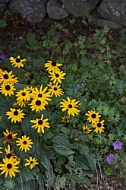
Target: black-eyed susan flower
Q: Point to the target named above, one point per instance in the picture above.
(17, 62)
(70, 105)
(22, 103)
(23, 95)
(25, 143)
(9, 152)
(40, 124)
(55, 89)
(9, 167)
(8, 78)
(9, 136)
(52, 66)
(37, 105)
(57, 76)
(16, 115)
(42, 94)
(30, 89)
(93, 116)
(86, 129)
(98, 126)
(31, 162)
(7, 89)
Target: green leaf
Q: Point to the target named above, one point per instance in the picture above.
(82, 162)
(63, 150)
(2, 23)
(40, 180)
(45, 161)
(61, 140)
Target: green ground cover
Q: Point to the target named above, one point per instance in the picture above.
(62, 110)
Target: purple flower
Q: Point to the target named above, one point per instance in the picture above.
(111, 159)
(3, 56)
(83, 84)
(117, 145)
(77, 86)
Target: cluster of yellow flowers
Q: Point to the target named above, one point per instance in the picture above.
(36, 99)
(96, 124)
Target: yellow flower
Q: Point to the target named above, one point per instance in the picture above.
(25, 143)
(86, 129)
(9, 152)
(23, 95)
(55, 89)
(93, 116)
(8, 78)
(31, 162)
(17, 62)
(70, 105)
(98, 126)
(15, 115)
(42, 94)
(57, 76)
(37, 105)
(52, 66)
(9, 136)
(7, 89)
(9, 167)
(40, 124)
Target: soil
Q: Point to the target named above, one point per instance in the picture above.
(18, 28)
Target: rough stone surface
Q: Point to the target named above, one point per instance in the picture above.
(111, 13)
(3, 5)
(32, 10)
(55, 10)
(103, 22)
(114, 10)
(78, 7)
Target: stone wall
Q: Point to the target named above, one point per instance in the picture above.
(111, 13)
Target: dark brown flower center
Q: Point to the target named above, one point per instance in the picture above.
(69, 106)
(18, 60)
(55, 88)
(23, 94)
(9, 136)
(98, 124)
(40, 122)
(5, 76)
(39, 95)
(9, 166)
(93, 115)
(9, 155)
(38, 102)
(16, 113)
(57, 75)
(24, 142)
(53, 63)
(31, 162)
(7, 87)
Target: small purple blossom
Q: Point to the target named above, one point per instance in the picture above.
(117, 145)
(111, 159)
(83, 84)
(77, 87)
(3, 56)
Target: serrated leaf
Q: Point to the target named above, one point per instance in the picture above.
(63, 150)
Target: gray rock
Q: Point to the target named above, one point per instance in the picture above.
(3, 5)
(103, 22)
(79, 7)
(114, 10)
(32, 10)
(55, 10)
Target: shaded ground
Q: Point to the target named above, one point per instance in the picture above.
(71, 28)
